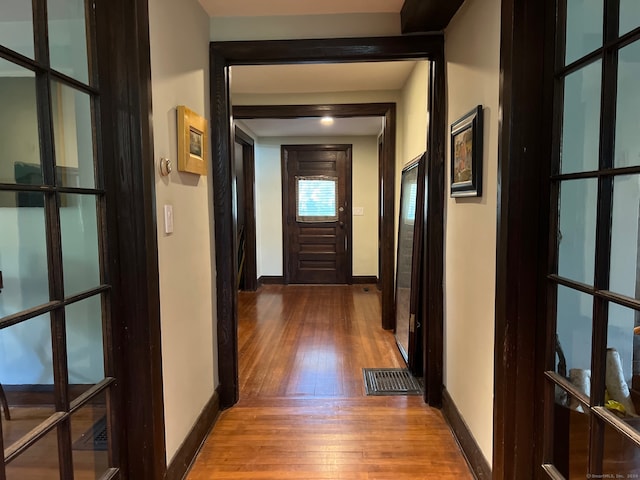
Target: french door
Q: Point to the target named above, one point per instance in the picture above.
(55, 323)
(592, 378)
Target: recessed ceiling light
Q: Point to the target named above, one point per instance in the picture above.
(326, 120)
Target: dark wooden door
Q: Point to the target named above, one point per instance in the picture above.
(316, 203)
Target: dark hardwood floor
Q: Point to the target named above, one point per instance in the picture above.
(303, 413)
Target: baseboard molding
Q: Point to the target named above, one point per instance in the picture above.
(271, 280)
(38, 394)
(470, 449)
(186, 454)
(364, 279)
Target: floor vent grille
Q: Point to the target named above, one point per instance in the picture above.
(95, 438)
(390, 381)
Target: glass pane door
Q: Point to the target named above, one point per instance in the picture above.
(592, 395)
(54, 301)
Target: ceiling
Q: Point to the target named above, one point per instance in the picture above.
(323, 78)
(311, 127)
(259, 8)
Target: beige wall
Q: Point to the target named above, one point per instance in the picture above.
(412, 127)
(179, 34)
(413, 108)
(269, 201)
(472, 49)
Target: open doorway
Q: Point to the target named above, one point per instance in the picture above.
(396, 48)
(360, 216)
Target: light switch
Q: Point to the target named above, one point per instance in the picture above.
(168, 219)
(358, 211)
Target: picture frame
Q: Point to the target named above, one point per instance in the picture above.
(193, 141)
(466, 155)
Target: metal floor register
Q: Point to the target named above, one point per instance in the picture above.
(390, 381)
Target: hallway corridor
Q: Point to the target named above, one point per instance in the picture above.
(303, 413)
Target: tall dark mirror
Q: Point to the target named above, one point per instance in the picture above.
(410, 226)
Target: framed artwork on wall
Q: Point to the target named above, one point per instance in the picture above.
(192, 141)
(466, 155)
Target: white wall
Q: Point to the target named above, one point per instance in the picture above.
(472, 51)
(179, 33)
(269, 201)
(25, 350)
(307, 26)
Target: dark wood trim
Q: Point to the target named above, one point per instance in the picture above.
(329, 49)
(243, 137)
(225, 54)
(125, 79)
(433, 258)
(227, 271)
(249, 168)
(470, 449)
(338, 110)
(387, 169)
(427, 15)
(524, 152)
(364, 280)
(380, 219)
(388, 179)
(186, 454)
(271, 280)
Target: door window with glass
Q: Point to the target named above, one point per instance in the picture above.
(55, 371)
(592, 381)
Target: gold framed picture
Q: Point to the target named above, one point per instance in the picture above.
(193, 141)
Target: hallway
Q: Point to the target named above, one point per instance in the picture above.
(303, 413)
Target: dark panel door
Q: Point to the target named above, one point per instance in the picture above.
(316, 183)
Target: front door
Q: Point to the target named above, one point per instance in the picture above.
(316, 183)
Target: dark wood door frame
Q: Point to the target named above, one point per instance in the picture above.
(249, 180)
(125, 77)
(226, 54)
(286, 245)
(524, 153)
(386, 172)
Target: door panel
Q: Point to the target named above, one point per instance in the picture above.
(56, 330)
(316, 213)
(592, 392)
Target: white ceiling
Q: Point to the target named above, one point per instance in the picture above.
(311, 127)
(259, 8)
(321, 78)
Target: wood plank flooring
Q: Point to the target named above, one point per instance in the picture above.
(303, 413)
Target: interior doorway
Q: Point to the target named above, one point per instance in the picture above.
(245, 218)
(226, 54)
